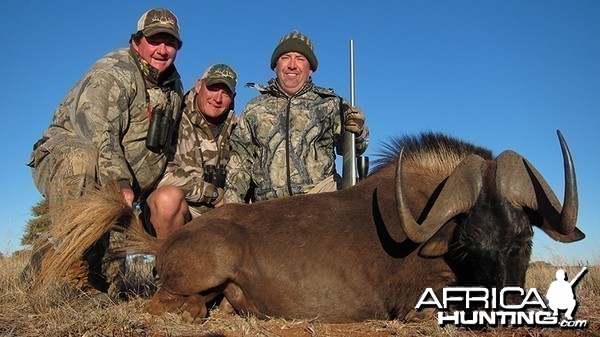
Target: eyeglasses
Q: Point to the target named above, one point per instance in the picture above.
(158, 39)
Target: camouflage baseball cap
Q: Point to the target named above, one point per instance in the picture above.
(159, 20)
(220, 73)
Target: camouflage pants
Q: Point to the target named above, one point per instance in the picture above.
(329, 184)
(62, 168)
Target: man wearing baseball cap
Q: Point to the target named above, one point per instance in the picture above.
(194, 180)
(284, 144)
(100, 133)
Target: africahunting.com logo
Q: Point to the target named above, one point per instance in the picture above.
(485, 306)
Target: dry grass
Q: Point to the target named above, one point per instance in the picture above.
(63, 312)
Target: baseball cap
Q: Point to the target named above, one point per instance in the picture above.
(159, 20)
(220, 73)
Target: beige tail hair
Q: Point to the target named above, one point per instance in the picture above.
(78, 223)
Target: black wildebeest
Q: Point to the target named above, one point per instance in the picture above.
(441, 212)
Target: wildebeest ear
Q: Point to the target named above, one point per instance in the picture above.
(575, 235)
(537, 220)
(438, 244)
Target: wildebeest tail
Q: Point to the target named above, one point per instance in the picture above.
(138, 239)
(79, 223)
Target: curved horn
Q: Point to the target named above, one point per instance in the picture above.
(458, 195)
(522, 185)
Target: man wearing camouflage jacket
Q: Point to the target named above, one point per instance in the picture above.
(284, 144)
(99, 132)
(194, 180)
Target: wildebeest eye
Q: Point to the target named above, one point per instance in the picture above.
(515, 251)
(520, 248)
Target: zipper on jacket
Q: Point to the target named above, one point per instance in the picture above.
(278, 92)
(287, 146)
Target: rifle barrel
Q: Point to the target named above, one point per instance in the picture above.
(349, 150)
(352, 72)
(577, 276)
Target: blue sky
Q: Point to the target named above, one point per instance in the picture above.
(501, 74)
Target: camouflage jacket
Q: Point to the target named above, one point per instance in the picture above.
(278, 162)
(109, 107)
(196, 149)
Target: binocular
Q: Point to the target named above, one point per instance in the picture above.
(160, 129)
(215, 175)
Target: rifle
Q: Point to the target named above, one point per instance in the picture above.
(348, 146)
(579, 275)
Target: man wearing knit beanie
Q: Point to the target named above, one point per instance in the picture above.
(285, 142)
(297, 42)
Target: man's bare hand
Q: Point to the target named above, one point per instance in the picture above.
(127, 195)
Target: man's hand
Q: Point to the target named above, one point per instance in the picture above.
(354, 120)
(218, 197)
(127, 195)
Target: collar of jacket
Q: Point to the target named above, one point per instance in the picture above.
(151, 75)
(275, 89)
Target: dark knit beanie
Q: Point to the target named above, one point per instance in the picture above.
(296, 42)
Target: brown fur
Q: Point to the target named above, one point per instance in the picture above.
(336, 257)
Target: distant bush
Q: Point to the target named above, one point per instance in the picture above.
(38, 224)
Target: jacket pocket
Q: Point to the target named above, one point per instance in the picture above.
(39, 152)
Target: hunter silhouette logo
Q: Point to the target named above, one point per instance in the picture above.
(561, 295)
(476, 306)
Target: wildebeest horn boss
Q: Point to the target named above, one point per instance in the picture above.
(515, 179)
(441, 212)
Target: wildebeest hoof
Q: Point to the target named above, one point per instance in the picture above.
(188, 318)
(420, 315)
(193, 309)
(163, 302)
(226, 307)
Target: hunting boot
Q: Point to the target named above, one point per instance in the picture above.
(114, 267)
(94, 257)
(32, 267)
(78, 276)
(39, 224)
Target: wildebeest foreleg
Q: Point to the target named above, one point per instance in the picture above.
(192, 306)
